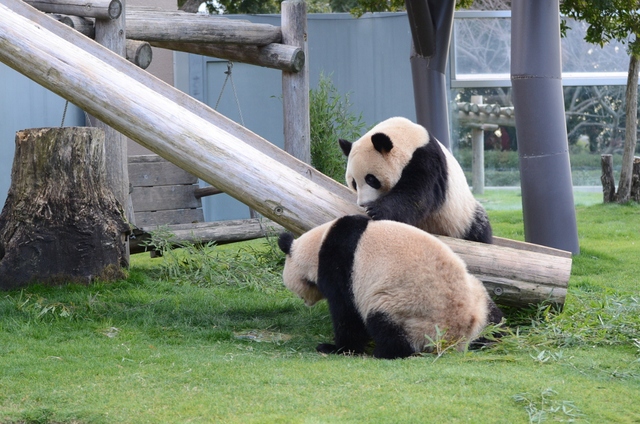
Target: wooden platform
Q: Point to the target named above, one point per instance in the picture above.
(169, 198)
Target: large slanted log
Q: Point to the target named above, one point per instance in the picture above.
(60, 222)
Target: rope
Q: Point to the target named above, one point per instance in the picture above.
(64, 113)
(229, 77)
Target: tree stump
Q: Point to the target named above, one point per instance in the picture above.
(608, 182)
(60, 222)
(635, 180)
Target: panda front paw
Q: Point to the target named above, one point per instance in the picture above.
(376, 212)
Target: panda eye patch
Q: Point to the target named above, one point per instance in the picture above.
(355, 186)
(372, 181)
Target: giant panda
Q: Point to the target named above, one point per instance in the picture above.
(402, 173)
(388, 282)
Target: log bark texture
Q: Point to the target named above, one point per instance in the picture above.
(635, 180)
(275, 56)
(295, 85)
(146, 26)
(102, 9)
(607, 179)
(60, 222)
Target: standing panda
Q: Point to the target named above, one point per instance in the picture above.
(386, 281)
(400, 172)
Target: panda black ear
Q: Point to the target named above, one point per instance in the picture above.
(285, 241)
(382, 142)
(345, 146)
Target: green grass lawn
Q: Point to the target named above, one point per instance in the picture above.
(211, 335)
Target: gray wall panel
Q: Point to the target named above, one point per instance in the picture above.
(25, 104)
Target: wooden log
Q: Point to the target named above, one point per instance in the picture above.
(516, 277)
(83, 25)
(295, 86)
(60, 222)
(206, 191)
(111, 34)
(275, 56)
(199, 29)
(102, 9)
(139, 53)
(608, 182)
(202, 142)
(219, 232)
(635, 180)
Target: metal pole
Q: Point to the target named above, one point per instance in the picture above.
(431, 19)
(545, 171)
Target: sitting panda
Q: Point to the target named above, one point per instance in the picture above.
(386, 281)
(402, 173)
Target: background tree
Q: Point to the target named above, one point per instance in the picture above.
(615, 20)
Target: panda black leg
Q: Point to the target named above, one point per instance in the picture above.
(390, 339)
(348, 328)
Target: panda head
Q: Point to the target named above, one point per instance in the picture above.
(376, 161)
(300, 273)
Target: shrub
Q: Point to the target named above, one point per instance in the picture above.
(331, 119)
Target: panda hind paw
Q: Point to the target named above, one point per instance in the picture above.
(327, 348)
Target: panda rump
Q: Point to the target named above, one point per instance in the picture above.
(388, 282)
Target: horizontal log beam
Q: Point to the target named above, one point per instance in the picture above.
(275, 56)
(137, 52)
(101, 9)
(198, 29)
(201, 233)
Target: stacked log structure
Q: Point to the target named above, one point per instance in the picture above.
(224, 38)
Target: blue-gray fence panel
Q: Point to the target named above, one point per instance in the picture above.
(25, 104)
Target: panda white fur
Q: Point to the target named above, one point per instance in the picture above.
(400, 172)
(386, 281)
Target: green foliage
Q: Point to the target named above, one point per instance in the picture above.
(543, 406)
(364, 6)
(608, 20)
(248, 7)
(331, 119)
(252, 267)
